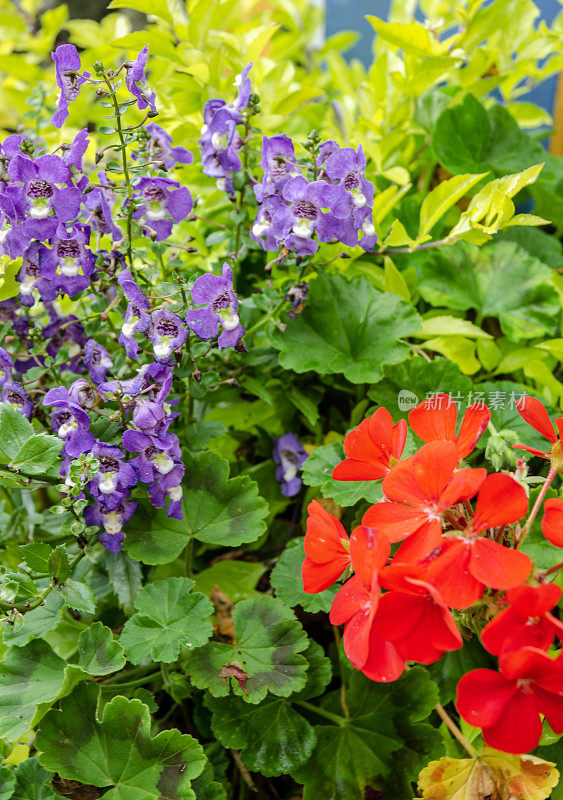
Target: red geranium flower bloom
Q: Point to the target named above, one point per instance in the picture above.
(436, 417)
(420, 489)
(356, 602)
(466, 564)
(552, 522)
(327, 550)
(372, 448)
(525, 623)
(414, 616)
(535, 414)
(507, 704)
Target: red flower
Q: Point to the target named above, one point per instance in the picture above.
(535, 414)
(420, 489)
(466, 564)
(327, 550)
(436, 417)
(356, 602)
(414, 616)
(525, 623)
(384, 662)
(372, 448)
(507, 705)
(552, 522)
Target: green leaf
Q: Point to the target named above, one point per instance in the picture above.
(116, 752)
(169, 617)
(450, 326)
(98, 652)
(59, 566)
(29, 676)
(237, 579)
(288, 585)
(78, 596)
(272, 737)
(317, 471)
(156, 7)
(443, 197)
(462, 135)
(36, 623)
(32, 781)
(125, 578)
(7, 783)
(268, 642)
(501, 280)
(347, 327)
(384, 738)
(411, 37)
(217, 510)
(36, 556)
(37, 454)
(14, 430)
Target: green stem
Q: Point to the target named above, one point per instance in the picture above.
(132, 684)
(269, 316)
(189, 556)
(336, 718)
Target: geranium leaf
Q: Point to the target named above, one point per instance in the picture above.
(98, 652)
(37, 622)
(29, 676)
(317, 471)
(125, 578)
(116, 752)
(217, 509)
(288, 584)
(269, 641)
(78, 596)
(236, 579)
(32, 781)
(7, 783)
(490, 774)
(348, 327)
(169, 617)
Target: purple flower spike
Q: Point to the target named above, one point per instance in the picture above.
(242, 83)
(288, 452)
(167, 334)
(36, 274)
(307, 203)
(221, 309)
(136, 316)
(160, 148)
(137, 83)
(73, 153)
(160, 200)
(67, 67)
(97, 360)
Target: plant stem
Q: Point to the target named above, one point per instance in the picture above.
(270, 315)
(132, 684)
(539, 500)
(424, 246)
(441, 711)
(336, 718)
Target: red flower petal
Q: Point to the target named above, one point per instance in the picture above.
(353, 470)
(529, 663)
(318, 577)
(326, 538)
(551, 705)
(356, 637)
(518, 729)
(395, 520)
(482, 695)
(449, 572)
(384, 663)
(433, 467)
(533, 450)
(536, 415)
(369, 550)
(370, 446)
(464, 484)
(473, 425)
(420, 543)
(434, 418)
(349, 599)
(501, 500)
(531, 601)
(552, 522)
(510, 631)
(398, 615)
(496, 566)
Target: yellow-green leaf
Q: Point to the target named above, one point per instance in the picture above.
(443, 197)
(410, 37)
(450, 326)
(394, 281)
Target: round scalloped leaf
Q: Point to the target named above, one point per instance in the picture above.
(32, 781)
(117, 752)
(168, 617)
(288, 585)
(266, 656)
(317, 471)
(98, 652)
(347, 327)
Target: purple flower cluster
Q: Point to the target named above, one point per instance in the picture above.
(220, 141)
(337, 206)
(220, 309)
(10, 392)
(288, 452)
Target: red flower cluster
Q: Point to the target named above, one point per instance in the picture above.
(458, 535)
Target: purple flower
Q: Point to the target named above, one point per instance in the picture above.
(13, 236)
(158, 456)
(82, 394)
(114, 478)
(70, 260)
(221, 309)
(345, 167)
(288, 452)
(136, 316)
(15, 396)
(70, 422)
(167, 333)
(67, 67)
(169, 486)
(363, 218)
(112, 522)
(6, 366)
(278, 162)
(40, 179)
(272, 224)
(100, 218)
(159, 148)
(35, 274)
(160, 198)
(66, 332)
(307, 204)
(136, 82)
(72, 153)
(326, 149)
(244, 86)
(97, 360)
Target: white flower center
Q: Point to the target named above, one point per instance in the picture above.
(261, 227)
(67, 427)
(163, 463)
(303, 228)
(107, 482)
(175, 493)
(128, 328)
(368, 227)
(163, 346)
(229, 319)
(358, 198)
(220, 141)
(69, 267)
(112, 522)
